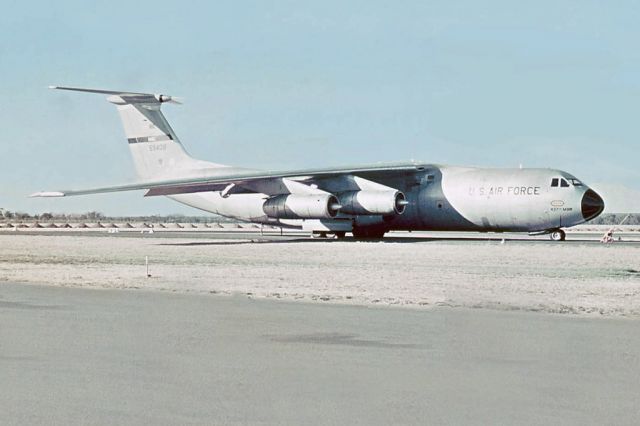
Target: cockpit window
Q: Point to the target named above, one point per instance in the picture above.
(563, 183)
(554, 182)
(575, 182)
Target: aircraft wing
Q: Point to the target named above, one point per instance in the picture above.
(220, 180)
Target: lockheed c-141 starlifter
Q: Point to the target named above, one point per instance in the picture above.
(365, 200)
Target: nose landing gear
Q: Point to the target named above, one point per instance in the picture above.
(557, 235)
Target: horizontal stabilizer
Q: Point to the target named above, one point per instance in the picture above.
(127, 97)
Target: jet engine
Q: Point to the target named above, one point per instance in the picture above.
(372, 202)
(302, 206)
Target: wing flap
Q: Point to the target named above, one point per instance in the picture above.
(187, 189)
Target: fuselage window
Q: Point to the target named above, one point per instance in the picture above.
(564, 183)
(554, 182)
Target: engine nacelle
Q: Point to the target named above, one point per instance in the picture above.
(302, 206)
(372, 202)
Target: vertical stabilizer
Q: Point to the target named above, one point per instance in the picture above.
(155, 148)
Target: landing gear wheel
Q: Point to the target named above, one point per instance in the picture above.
(319, 234)
(368, 233)
(340, 234)
(558, 235)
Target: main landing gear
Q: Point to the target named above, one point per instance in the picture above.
(323, 234)
(368, 233)
(557, 235)
(358, 234)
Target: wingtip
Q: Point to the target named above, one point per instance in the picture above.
(53, 87)
(43, 194)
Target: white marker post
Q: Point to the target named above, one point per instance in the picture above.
(146, 262)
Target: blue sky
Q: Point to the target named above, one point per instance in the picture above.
(288, 84)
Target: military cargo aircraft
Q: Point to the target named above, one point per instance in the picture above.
(365, 200)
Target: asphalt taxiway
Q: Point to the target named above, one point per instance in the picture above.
(79, 356)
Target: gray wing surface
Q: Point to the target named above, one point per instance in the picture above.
(220, 179)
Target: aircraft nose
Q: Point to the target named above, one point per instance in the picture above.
(592, 204)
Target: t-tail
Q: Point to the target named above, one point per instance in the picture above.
(156, 150)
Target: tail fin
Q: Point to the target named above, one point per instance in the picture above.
(156, 150)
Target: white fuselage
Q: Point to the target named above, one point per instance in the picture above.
(441, 198)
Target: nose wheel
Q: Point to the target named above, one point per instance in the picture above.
(557, 235)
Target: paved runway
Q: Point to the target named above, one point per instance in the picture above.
(71, 356)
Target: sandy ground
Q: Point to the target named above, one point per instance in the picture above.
(576, 278)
